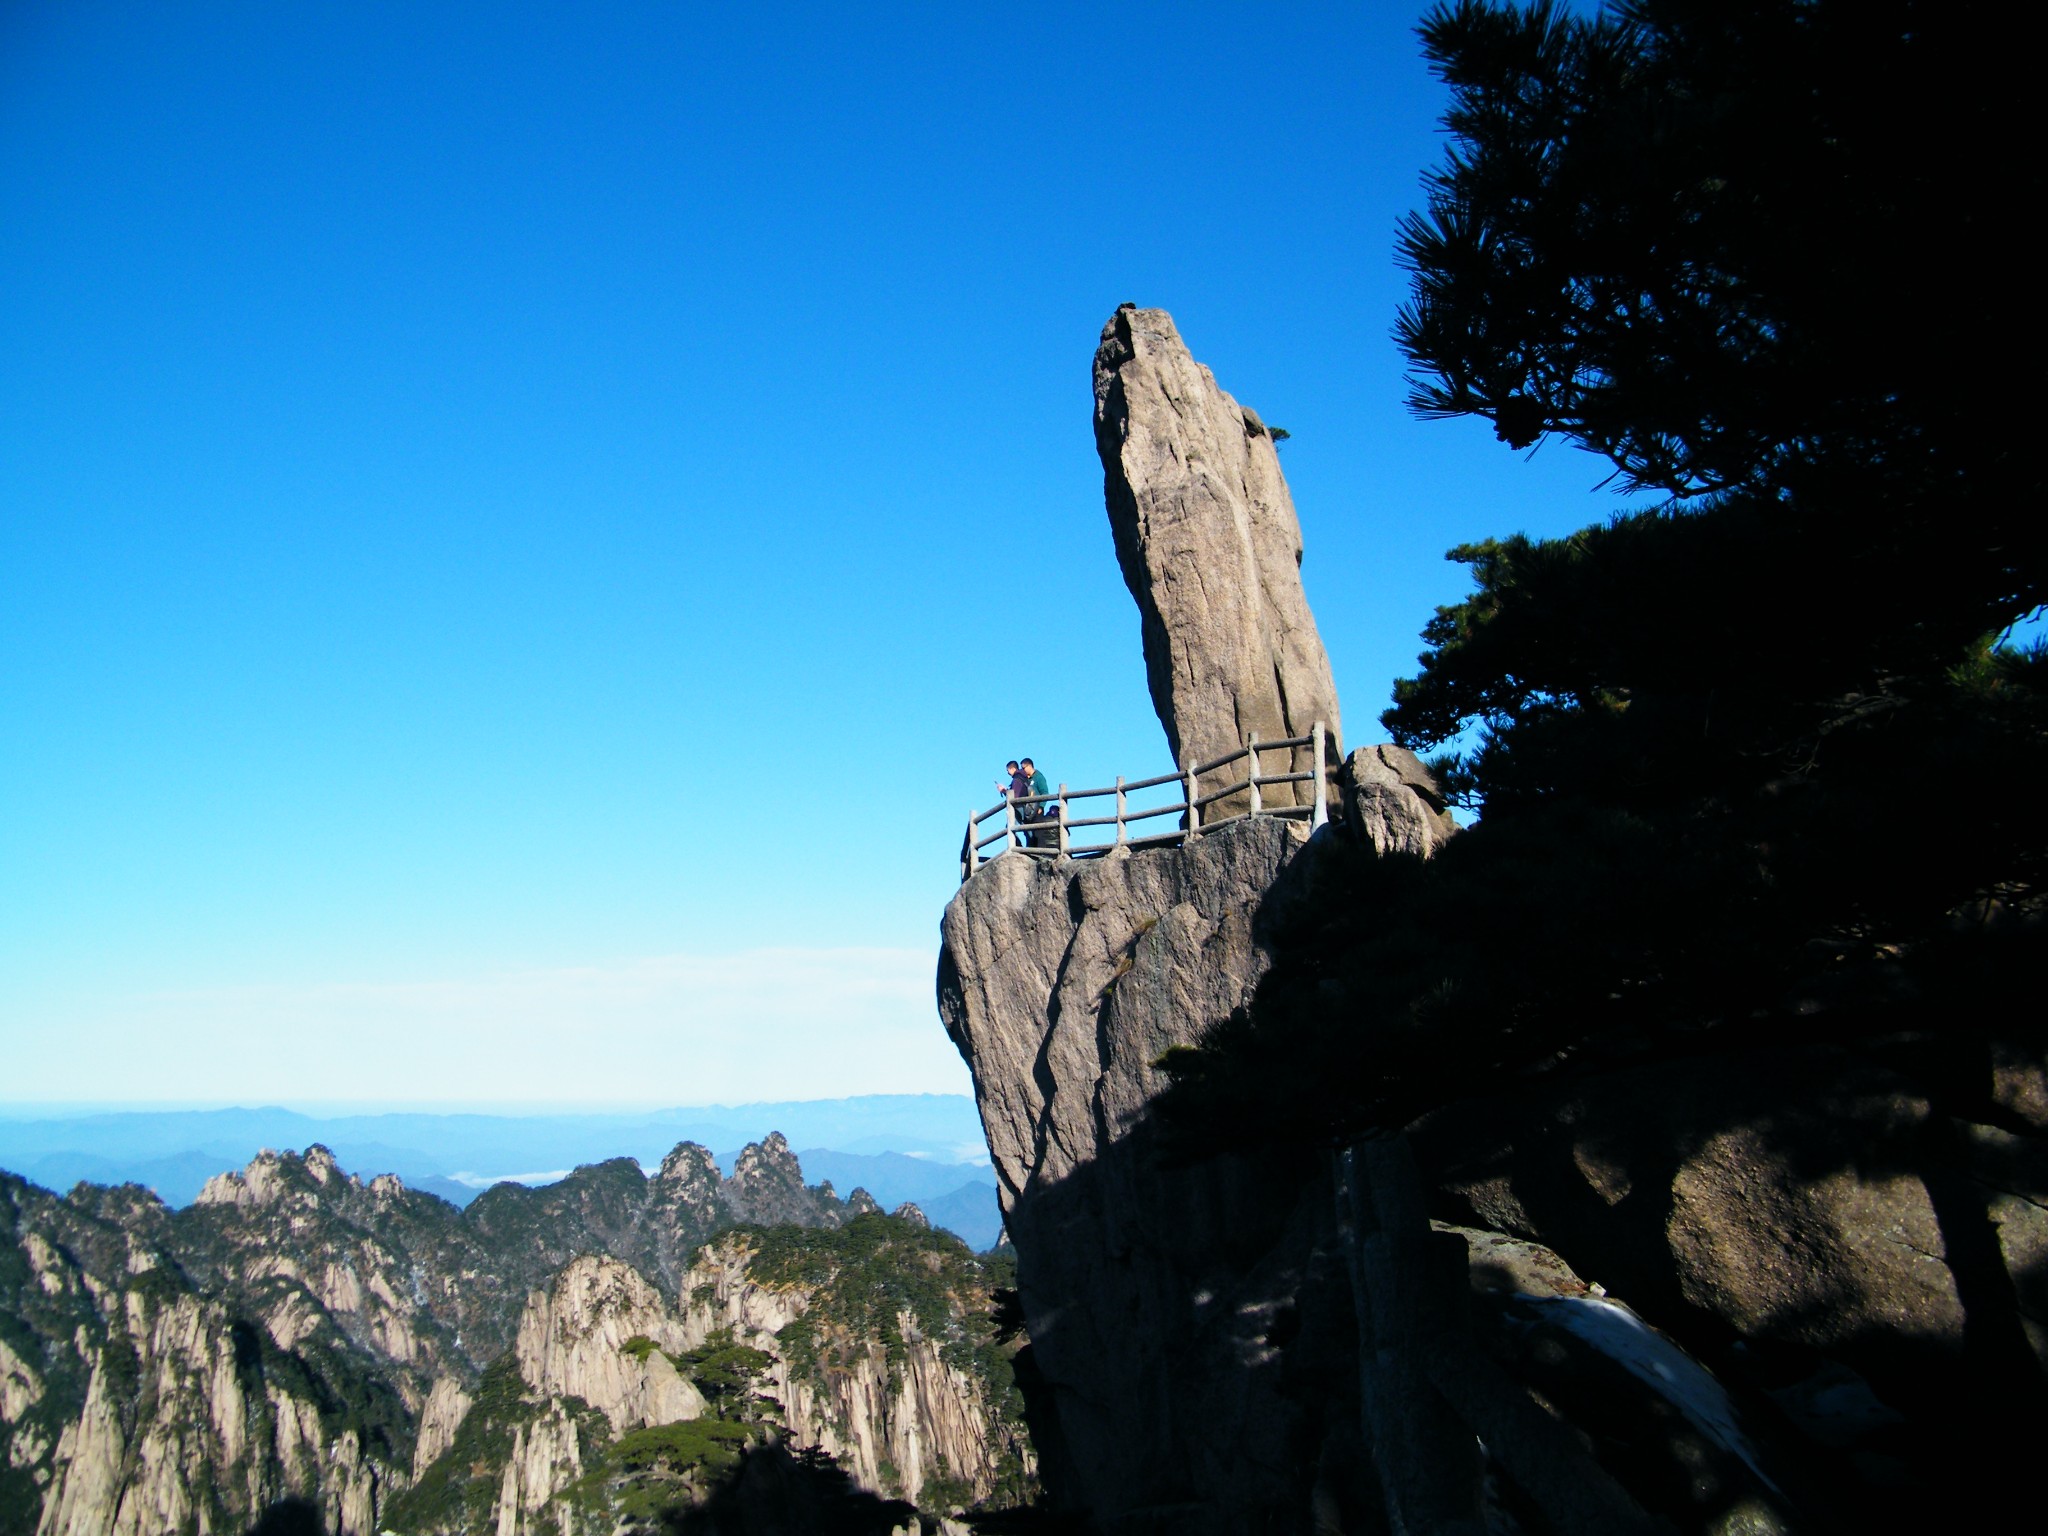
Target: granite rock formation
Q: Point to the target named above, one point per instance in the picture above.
(1390, 802)
(1860, 1243)
(302, 1346)
(1815, 1270)
(1210, 547)
(133, 1402)
(1150, 1293)
(574, 1338)
(902, 1420)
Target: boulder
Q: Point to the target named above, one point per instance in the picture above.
(1210, 547)
(1813, 1222)
(1391, 803)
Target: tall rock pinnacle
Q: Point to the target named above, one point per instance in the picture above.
(1211, 549)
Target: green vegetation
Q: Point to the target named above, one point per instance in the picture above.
(727, 1373)
(1719, 741)
(214, 1257)
(642, 1477)
(864, 1278)
(658, 1471)
(945, 1495)
(458, 1491)
(682, 1446)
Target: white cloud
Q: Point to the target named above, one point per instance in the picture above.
(753, 1024)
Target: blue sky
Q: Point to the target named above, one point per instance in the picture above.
(514, 520)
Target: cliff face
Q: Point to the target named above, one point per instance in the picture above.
(1210, 547)
(919, 1405)
(1152, 1295)
(1820, 1267)
(576, 1338)
(376, 1359)
(134, 1404)
(868, 1350)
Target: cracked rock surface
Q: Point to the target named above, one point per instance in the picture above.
(1152, 1293)
(1210, 547)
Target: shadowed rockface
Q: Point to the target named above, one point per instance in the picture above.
(1841, 1243)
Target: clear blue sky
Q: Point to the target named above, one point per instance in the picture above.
(489, 493)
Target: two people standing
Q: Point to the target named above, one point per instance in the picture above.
(1025, 780)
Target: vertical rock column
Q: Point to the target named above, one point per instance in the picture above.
(1211, 549)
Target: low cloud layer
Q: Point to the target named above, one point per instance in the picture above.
(755, 1024)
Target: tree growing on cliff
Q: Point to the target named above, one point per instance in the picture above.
(1759, 777)
(1763, 256)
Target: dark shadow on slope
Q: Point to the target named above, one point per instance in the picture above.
(1192, 1358)
(780, 1492)
(290, 1517)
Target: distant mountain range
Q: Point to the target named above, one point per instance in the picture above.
(925, 1148)
(301, 1349)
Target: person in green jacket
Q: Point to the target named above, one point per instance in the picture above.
(1038, 787)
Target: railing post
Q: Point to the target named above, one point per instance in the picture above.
(1252, 749)
(967, 852)
(1010, 821)
(1122, 832)
(1321, 818)
(1194, 829)
(1063, 820)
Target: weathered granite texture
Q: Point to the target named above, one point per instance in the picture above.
(1154, 1295)
(1856, 1238)
(572, 1343)
(1390, 802)
(897, 1427)
(1211, 549)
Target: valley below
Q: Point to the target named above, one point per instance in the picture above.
(301, 1349)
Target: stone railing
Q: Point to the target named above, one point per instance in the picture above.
(1044, 826)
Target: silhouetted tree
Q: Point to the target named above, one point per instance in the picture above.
(1747, 757)
(1768, 257)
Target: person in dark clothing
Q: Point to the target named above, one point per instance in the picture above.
(1034, 784)
(1014, 788)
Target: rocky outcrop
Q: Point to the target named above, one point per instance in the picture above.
(1150, 1293)
(298, 1336)
(1062, 983)
(445, 1407)
(151, 1407)
(1812, 1222)
(602, 1333)
(436, 1292)
(913, 1419)
(866, 1356)
(1391, 804)
(767, 1187)
(119, 1470)
(546, 1458)
(1210, 547)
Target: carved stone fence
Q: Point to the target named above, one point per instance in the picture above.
(1044, 826)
